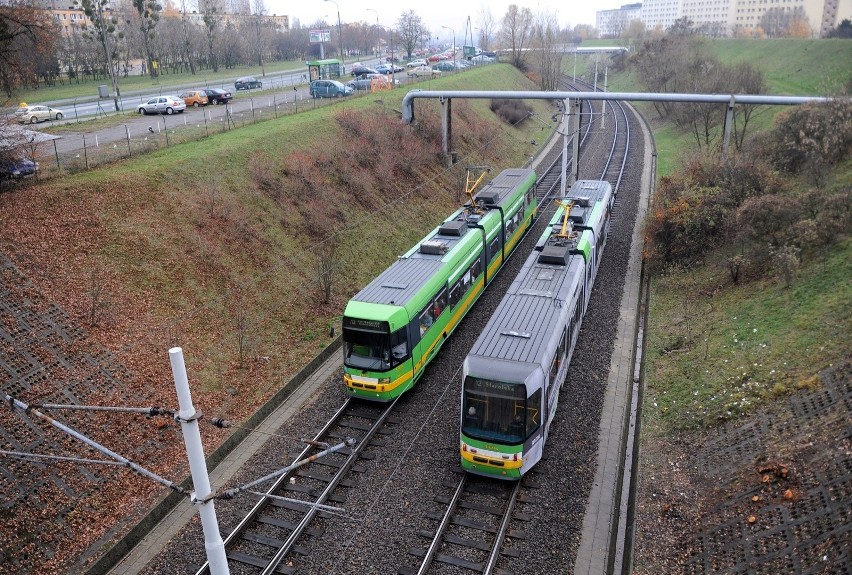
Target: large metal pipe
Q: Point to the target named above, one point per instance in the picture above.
(408, 100)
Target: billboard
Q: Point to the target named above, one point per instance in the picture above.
(320, 36)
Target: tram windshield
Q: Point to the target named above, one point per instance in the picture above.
(497, 411)
(371, 348)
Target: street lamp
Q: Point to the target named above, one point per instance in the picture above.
(339, 34)
(390, 44)
(454, 43)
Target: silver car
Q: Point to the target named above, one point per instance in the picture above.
(162, 105)
(34, 114)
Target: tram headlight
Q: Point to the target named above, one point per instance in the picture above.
(384, 380)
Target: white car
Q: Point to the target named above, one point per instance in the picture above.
(424, 72)
(34, 114)
(162, 105)
(417, 63)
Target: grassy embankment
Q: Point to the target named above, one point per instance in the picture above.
(213, 245)
(718, 350)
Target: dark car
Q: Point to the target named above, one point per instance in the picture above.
(329, 89)
(362, 70)
(247, 83)
(17, 168)
(445, 66)
(217, 96)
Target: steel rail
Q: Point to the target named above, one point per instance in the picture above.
(442, 528)
(332, 485)
(491, 564)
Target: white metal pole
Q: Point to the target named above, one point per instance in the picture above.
(188, 417)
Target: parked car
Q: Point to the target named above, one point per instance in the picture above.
(361, 70)
(34, 114)
(217, 96)
(162, 105)
(434, 58)
(482, 59)
(247, 83)
(14, 168)
(416, 63)
(445, 66)
(389, 68)
(369, 81)
(195, 98)
(329, 89)
(424, 71)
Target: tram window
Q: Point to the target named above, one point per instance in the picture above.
(455, 293)
(440, 302)
(533, 412)
(563, 345)
(399, 347)
(476, 268)
(494, 248)
(426, 319)
(554, 368)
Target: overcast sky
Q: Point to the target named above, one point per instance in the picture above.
(435, 13)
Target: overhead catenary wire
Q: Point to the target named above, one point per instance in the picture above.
(19, 406)
(399, 203)
(229, 493)
(39, 456)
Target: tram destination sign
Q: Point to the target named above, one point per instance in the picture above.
(491, 386)
(365, 324)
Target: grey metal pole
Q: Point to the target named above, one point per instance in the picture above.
(575, 65)
(565, 131)
(188, 417)
(729, 122)
(575, 130)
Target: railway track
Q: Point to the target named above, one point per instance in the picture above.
(277, 535)
(474, 530)
(283, 517)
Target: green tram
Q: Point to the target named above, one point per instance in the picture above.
(395, 325)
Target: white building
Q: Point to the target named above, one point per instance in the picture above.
(614, 22)
(823, 15)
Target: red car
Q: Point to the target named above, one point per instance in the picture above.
(434, 58)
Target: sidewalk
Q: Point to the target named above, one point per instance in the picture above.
(602, 514)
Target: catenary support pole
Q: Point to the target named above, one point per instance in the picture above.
(565, 127)
(729, 123)
(575, 132)
(188, 418)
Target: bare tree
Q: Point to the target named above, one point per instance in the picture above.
(487, 28)
(411, 31)
(211, 10)
(98, 300)
(259, 11)
(544, 42)
(105, 29)
(326, 271)
(187, 52)
(25, 33)
(745, 78)
(781, 22)
(149, 15)
(517, 32)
